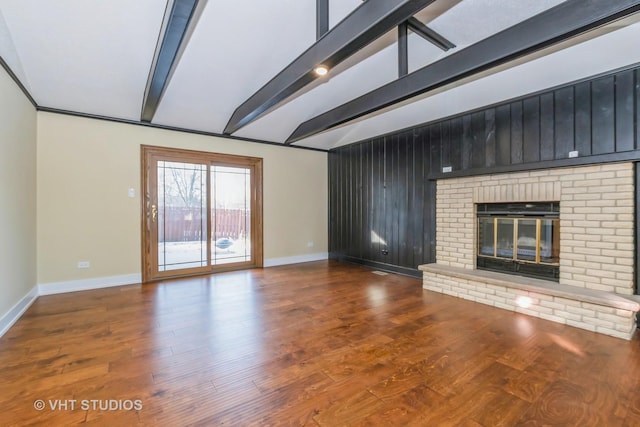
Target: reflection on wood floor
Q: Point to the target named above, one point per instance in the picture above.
(321, 343)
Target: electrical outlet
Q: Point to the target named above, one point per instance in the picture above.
(573, 154)
(447, 169)
(310, 244)
(84, 264)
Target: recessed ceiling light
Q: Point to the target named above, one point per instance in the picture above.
(321, 70)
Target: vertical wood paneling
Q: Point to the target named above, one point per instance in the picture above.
(624, 111)
(366, 199)
(394, 206)
(417, 209)
(410, 229)
(333, 210)
(478, 139)
(342, 161)
(342, 208)
(435, 143)
(371, 202)
(430, 221)
(380, 187)
(387, 235)
(516, 132)
(354, 198)
(602, 115)
(346, 205)
(379, 191)
(403, 194)
(348, 201)
(564, 117)
(503, 135)
(637, 108)
(357, 202)
(531, 130)
(445, 144)
(467, 141)
(455, 140)
(547, 127)
(490, 137)
(583, 118)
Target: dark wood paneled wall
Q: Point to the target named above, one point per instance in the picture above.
(381, 203)
(386, 185)
(597, 117)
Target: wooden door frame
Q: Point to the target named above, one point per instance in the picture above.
(148, 152)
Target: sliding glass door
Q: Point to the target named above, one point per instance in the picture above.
(202, 212)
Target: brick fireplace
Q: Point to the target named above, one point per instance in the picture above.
(595, 287)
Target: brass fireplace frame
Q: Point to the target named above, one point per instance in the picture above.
(539, 258)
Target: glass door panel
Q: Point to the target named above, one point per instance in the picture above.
(527, 239)
(504, 244)
(486, 237)
(181, 215)
(230, 214)
(550, 241)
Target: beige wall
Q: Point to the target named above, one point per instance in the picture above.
(86, 166)
(17, 194)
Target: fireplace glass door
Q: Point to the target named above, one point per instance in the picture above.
(527, 240)
(525, 243)
(504, 237)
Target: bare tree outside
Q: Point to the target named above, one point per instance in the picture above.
(183, 230)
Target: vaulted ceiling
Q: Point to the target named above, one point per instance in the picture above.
(245, 68)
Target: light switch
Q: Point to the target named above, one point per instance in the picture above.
(132, 192)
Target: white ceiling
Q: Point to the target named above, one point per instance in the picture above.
(94, 57)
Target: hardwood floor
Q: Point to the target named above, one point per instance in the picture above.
(321, 343)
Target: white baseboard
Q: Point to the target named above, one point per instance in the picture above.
(272, 262)
(87, 284)
(17, 310)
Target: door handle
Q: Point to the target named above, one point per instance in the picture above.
(154, 213)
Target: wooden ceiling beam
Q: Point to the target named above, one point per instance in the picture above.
(429, 35)
(322, 18)
(555, 25)
(365, 24)
(403, 50)
(177, 25)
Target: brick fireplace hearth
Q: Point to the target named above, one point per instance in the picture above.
(596, 283)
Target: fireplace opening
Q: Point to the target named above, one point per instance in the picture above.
(520, 238)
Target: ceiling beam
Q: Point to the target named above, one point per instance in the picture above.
(177, 24)
(322, 18)
(429, 35)
(548, 28)
(365, 24)
(403, 50)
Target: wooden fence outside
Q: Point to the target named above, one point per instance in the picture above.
(186, 224)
